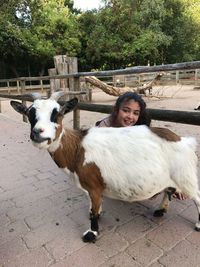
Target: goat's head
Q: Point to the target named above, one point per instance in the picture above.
(45, 117)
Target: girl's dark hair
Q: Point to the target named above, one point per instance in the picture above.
(144, 117)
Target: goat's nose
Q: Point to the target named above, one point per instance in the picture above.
(38, 130)
(35, 133)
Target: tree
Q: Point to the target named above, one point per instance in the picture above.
(108, 44)
(36, 31)
(191, 12)
(127, 33)
(135, 32)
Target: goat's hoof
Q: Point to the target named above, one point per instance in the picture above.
(89, 237)
(159, 213)
(197, 227)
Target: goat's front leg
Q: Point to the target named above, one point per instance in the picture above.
(96, 201)
(99, 212)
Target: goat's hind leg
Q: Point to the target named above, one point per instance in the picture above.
(196, 199)
(165, 202)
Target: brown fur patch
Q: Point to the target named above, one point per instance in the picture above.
(60, 127)
(71, 154)
(65, 155)
(91, 180)
(165, 134)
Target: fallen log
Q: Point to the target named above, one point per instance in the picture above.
(116, 91)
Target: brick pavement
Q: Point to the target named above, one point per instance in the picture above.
(43, 216)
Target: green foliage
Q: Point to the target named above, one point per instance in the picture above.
(122, 33)
(38, 30)
(128, 33)
(53, 30)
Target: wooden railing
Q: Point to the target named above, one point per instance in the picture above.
(164, 115)
(186, 117)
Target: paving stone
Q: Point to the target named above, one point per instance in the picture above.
(89, 255)
(12, 230)
(72, 199)
(66, 244)
(191, 213)
(22, 201)
(136, 228)
(44, 175)
(194, 238)
(47, 232)
(47, 216)
(34, 258)
(12, 249)
(81, 217)
(47, 183)
(170, 233)
(184, 254)
(61, 177)
(122, 259)
(4, 219)
(156, 264)
(122, 212)
(5, 205)
(60, 186)
(18, 191)
(144, 251)
(37, 207)
(112, 243)
(29, 173)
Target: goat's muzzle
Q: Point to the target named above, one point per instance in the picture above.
(36, 136)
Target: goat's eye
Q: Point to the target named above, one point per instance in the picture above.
(54, 115)
(32, 117)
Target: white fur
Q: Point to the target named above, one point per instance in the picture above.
(44, 109)
(136, 164)
(55, 145)
(90, 231)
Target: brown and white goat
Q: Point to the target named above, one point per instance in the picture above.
(128, 163)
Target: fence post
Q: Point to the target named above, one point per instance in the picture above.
(76, 113)
(61, 65)
(74, 85)
(196, 77)
(41, 84)
(72, 68)
(54, 83)
(90, 94)
(18, 87)
(8, 85)
(177, 76)
(23, 91)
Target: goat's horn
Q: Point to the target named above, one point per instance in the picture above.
(31, 96)
(56, 95)
(36, 96)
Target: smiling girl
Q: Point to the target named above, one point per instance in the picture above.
(129, 110)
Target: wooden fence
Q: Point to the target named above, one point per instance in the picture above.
(164, 115)
(169, 78)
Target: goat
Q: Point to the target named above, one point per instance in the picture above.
(127, 163)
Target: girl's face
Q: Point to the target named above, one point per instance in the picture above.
(128, 114)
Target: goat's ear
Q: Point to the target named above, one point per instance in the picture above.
(68, 106)
(19, 107)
